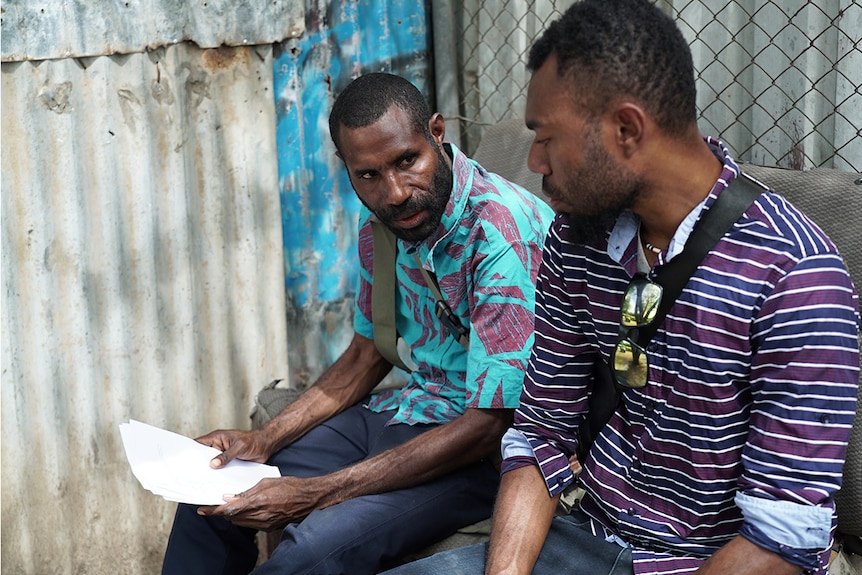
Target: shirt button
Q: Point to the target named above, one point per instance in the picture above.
(632, 511)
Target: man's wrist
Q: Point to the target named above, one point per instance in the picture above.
(332, 489)
(270, 438)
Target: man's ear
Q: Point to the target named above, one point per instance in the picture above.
(338, 155)
(629, 121)
(437, 127)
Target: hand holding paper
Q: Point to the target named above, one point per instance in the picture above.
(178, 468)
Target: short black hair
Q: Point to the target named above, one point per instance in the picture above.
(623, 48)
(370, 96)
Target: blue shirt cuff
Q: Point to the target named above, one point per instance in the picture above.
(514, 444)
(800, 534)
(553, 465)
(516, 451)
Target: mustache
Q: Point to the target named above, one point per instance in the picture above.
(413, 205)
(551, 191)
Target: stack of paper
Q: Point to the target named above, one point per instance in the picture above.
(178, 468)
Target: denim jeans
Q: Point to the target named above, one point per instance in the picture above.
(569, 549)
(355, 537)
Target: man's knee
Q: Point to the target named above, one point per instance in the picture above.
(462, 561)
(204, 545)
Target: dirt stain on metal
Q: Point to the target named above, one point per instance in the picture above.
(55, 97)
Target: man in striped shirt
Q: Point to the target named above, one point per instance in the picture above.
(727, 460)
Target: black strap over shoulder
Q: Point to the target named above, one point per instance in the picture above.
(673, 277)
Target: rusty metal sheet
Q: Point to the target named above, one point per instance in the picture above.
(39, 30)
(143, 277)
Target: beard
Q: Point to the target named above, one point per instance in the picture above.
(596, 193)
(432, 201)
(586, 229)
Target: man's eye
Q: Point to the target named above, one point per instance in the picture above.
(366, 176)
(407, 161)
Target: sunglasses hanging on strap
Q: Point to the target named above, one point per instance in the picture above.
(646, 302)
(383, 298)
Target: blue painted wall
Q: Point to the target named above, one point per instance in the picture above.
(343, 39)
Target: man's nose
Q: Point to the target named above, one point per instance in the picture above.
(397, 190)
(537, 159)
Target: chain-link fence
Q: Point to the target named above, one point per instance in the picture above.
(779, 81)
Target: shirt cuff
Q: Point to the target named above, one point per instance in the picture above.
(516, 451)
(516, 463)
(800, 534)
(514, 444)
(554, 466)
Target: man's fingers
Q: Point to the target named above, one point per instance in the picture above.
(227, 455)
(575, 465)
(227, 510)
(207, 510)
(213, 439)
(219, 461)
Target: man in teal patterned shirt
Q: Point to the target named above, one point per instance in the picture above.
(368, 478)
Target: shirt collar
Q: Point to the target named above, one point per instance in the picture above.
(622, 243)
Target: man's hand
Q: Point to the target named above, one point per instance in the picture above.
(237, 444)
(741, 556)
(269, 505)
(575, 465)
(273, 503)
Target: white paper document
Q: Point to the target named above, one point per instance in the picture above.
(178, 468)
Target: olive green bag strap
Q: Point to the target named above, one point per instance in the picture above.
(383, 298)
(383, 295)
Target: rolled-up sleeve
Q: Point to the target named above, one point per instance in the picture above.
(556, 386)
(798, 533)
(804, 386)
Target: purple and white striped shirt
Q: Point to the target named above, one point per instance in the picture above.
(743, 426)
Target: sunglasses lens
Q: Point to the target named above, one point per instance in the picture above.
(630, 364)
(640, 303)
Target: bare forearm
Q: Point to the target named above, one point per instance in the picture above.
(359, 369)
(471, 437)
(742, 557)
(521, 521)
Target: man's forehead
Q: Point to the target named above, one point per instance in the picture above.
(547, 96)
(384, 142)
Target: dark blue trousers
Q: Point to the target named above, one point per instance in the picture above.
(570, 549)
(355, 537)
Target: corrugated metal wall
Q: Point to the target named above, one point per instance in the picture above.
(42, 30)
(344, 39)
(154, 240)
(143, 277)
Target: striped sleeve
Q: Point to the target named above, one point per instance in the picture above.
(556, 388)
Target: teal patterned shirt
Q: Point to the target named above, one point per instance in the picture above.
(485, 254)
